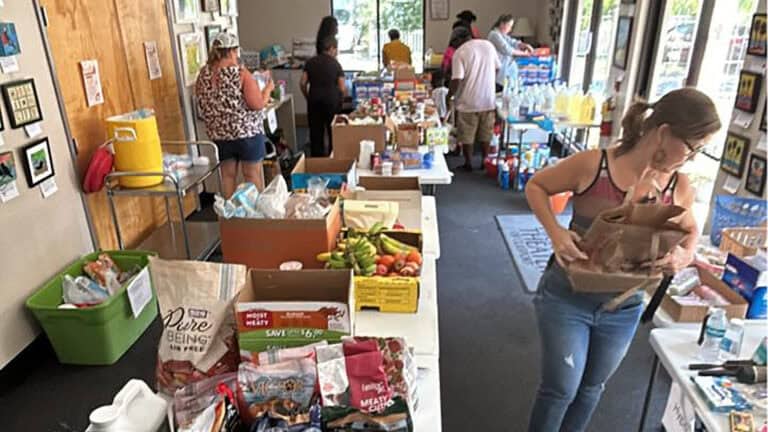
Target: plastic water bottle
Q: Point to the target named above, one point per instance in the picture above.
(504, 175)
(714, 331)
(731, 343)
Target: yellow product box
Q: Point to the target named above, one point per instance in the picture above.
(387, 294)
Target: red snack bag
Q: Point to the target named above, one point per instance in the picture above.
(368, 387)
(354, 346)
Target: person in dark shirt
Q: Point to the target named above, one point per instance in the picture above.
(322, 83)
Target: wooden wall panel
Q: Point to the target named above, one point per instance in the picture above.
(113, 32)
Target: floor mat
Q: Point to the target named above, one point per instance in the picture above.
(528, 244)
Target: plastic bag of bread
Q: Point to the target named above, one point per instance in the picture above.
(195, 300)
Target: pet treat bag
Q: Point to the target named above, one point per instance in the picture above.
(195, 300)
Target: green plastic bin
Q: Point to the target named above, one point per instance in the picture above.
(97, 335)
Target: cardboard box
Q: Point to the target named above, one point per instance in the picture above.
(405, 73)
(336, 171)
(406, 191)
(288, 286)
(346, 137)
(390, 294)
(266, 243)
(408, 135)
(687, 313)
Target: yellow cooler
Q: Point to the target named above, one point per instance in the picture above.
(137, 146)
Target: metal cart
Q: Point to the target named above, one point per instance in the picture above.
(173, 240)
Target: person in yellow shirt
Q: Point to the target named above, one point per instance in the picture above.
(396, 50)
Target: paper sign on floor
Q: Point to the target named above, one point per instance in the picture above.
(8, 192)
(48, 187)
(139, 292)
(679, 416)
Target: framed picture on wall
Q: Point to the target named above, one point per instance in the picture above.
(228, 7)
(193, 55)
(734, 154)
(748, 91)
(210, 5)
(439, 10)
(762, 118)
(757, 35)
(7, 168)
(9, 40)
(210, 32)
(38, 162)
(756, 175)
(22, 103)
(621, 47)
(185, 11)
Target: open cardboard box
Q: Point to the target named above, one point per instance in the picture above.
(346, 137)
(266, 243)
(406, 191)
(687, 313)
(293, 286)
(336, 171)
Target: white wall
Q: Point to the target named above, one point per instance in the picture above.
(279, 21)
(39, 236)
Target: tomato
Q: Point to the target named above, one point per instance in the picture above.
(414, 256)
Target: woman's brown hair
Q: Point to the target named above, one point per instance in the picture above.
(217, 53)
(689, 113)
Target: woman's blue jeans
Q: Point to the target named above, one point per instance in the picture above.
(581, 347)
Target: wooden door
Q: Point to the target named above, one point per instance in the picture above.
(113, 32)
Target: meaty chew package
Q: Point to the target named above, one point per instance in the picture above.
(195, 300)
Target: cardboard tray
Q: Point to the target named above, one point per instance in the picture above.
(346, 138)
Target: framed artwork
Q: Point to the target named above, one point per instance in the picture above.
(734, 154)
(21, 102)
(757, 35)
(9, 40)
(748, 91)
(755, 175)
(185, 11)
(193, 55)
(621, 47)
(38, 162)
(228, 7)
(762, 119)
(7, 168)
(210, 32)
(210, 5)
(439, 10)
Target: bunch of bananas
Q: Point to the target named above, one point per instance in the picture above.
(360, 250)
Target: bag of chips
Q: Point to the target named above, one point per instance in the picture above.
(195, 300)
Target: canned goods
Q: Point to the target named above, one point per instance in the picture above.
(375, 160)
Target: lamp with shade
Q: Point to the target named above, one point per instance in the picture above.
(522, 28)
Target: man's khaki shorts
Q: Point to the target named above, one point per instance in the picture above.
(475, 127)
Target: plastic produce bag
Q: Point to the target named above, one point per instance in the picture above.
(242, 204)
(105, 272)
(82, 291)
(271, 202)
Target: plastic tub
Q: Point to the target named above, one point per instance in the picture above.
(97, 335)
(736, 212)
(559, 202)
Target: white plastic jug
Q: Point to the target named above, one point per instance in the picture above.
(367, 148)
(136, 408)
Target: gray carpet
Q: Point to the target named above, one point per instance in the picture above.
(528, 245)
(489, 345)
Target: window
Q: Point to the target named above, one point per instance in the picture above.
(364, 27)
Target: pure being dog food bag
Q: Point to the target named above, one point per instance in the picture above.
(195, 300)
(281, 391)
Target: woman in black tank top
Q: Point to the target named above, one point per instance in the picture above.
(583, 344)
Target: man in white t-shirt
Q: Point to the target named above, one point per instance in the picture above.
(473, 81)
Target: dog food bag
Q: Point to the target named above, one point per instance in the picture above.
(208, 405)
(368, 387)
(281, 355)
(261, 316)
(195, 300)
(399, 365)
(395, 418)
(281, 391)
(332, 375)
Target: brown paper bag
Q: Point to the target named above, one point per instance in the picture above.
(619, 241)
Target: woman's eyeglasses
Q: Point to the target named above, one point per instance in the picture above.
(692, 151)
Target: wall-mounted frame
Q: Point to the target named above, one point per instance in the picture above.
(7, 168)
(228, 7)
(756, 175)
(748, 91)
(734, 154)
(210, 5)
(762, 118)
(186, 11)
(621, 46)
(757, 36)
(210, 32)
(21, 102)
(38, 162)
(193, 55)
(9, 40)
(439, 10)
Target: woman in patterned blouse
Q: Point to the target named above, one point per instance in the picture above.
(231, 104)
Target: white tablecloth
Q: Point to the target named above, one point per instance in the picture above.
(428, 417)
(677, 348)
(429, 232)
(439, 174)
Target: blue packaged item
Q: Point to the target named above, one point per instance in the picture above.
(748, 277)
(734, 211)
(427, 160)
(758, 306)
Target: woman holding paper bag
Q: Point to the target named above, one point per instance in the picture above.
(583, 344)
